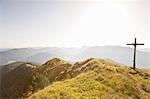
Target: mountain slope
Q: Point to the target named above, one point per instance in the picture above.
(54, 69)
(21, 79)
(16, 79)
(99, 78)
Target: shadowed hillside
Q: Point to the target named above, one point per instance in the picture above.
(16, 79)
(98, 78)
(21, 79)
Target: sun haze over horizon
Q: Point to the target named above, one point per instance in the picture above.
(74, 23)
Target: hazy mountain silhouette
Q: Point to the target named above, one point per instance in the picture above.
(122, 55)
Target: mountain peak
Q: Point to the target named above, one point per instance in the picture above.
(56, 61)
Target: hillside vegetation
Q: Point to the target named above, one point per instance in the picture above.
(93, 78)
(20, 79)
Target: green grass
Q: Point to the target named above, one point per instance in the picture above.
(146, 85)
(96, 79)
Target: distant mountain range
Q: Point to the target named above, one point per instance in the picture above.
(145, 49)
(118, 54)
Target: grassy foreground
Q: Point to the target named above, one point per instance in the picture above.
(95, 79)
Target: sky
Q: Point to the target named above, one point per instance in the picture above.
(73, 23)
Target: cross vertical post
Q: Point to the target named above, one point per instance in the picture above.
(134, 60)
(134, 55)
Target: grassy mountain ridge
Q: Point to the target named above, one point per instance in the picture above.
(96, 78)
(53, 69)
(90, 78)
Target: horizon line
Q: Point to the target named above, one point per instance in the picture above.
(84, 46)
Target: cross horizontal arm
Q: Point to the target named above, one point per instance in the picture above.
(135, 44)
(130, 44)
(139, 44)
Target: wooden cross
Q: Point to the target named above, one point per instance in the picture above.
(135, 44)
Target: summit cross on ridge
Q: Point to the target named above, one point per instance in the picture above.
(135, 44)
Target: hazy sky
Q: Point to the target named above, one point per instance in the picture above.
(73, 23)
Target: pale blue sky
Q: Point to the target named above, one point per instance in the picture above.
(73, 23)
